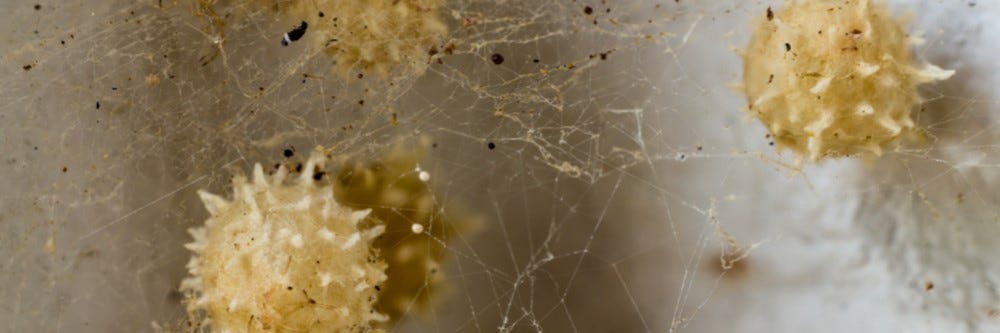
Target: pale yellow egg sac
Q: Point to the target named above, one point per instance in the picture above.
(833, 78)
(284, 256)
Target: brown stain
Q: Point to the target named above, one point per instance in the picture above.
(730, 265)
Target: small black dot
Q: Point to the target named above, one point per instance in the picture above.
(38, 7)
(491, 145)
(497, 58)
(788, 47)
(289, 287)
(535, 60)
(289, 153)
(98, 105)
(587, 10)
(319, 175)
(321, 14)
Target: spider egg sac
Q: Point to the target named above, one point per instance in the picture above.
(284, 256)
(833, 78)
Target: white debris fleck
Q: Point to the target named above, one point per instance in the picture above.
(417, 228)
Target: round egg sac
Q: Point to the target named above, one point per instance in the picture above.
(833, 78)
(283, 256)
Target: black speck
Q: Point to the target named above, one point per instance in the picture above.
(491, 146)
(98, 105)
(321, 14)
(27, 67)
(770, 14)
(319, 175)
(587, 10)
(604, 56)
(289, 287)
(535, 60)
(361, 102)
(289, 153)
(788, 47)
(38, 7)
(497, 58)
(295, 34)
(65, 169)
(377, 288)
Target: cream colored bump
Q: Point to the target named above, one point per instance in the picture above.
(867, 69)
(890, 125)
(374, 232)
(326, 234)
(874, 148)
(931, 73)
(258, 176)
(212, 202)
(325, 278)
(358, 272)
(814, 145)
(233, 304)
(297, 241)
(351, 241)
(865, 109)
(821, 124)
(284, 233)
(359, 215)
(821, 85)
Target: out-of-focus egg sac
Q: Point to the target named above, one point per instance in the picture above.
(380, 36)
(391, 187)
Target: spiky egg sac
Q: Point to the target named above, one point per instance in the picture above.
(833, 78)
(284, 257)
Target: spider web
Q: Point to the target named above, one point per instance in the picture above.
(624, 191)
